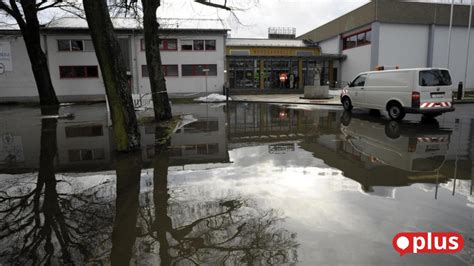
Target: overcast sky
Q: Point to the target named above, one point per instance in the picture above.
(257, 15)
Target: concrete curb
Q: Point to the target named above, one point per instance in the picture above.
(464, 101)
(277, 102)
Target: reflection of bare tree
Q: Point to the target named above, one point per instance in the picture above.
(41, 225)
(126, 208)
(230, 232)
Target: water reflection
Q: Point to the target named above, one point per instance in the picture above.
(371, 150)
(224, 231)
(239, 184)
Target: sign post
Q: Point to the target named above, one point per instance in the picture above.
(206, 70)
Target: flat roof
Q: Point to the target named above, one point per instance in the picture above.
(391, 11)
(252, 42)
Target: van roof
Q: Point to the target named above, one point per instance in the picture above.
(405, 69)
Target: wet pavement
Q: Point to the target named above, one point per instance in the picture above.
(239, 184)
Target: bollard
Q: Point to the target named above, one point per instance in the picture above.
(459, 96)
(227, 94)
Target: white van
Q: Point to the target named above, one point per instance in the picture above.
(419, 90)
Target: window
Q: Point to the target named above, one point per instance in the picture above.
(145, 71)
(171, 70)
(210, 45)
(357, 39)
(359, 81)
(165, 44)
(75, 46)
(64, 45)
(198, 70)
(84, 131)
(169, 45)
(86, 155)
(434, 78)
(198, 45)
(186, 45)
(78, 72)
(168, 70)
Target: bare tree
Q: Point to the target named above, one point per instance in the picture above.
(112, 65)
(25, 13)
(161, 105)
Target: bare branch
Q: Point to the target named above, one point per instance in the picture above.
(41, 7)
(209, 3)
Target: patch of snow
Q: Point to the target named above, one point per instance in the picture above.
(185, 120)
(211, 98)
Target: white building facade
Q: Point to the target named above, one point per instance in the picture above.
(193, 56)
(404, 34)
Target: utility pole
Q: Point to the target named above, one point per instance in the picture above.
(449, 33)
(468, 53)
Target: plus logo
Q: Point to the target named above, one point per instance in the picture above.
(428, 242)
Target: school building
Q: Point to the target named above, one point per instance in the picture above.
(399, 33)
(193, 56)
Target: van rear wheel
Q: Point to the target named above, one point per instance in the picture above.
(347, 104)
(395, 111)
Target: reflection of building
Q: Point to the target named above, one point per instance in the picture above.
(259, 63)
(398, 33)
(364, 151)
(86, 143)
(202, 141)
(269, 123)
(188, 48)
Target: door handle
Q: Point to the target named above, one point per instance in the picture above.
(361, 88)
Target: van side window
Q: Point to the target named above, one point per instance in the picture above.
(359, 81)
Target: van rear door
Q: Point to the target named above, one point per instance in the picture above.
(435, 87)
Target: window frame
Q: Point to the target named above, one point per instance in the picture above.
(356, 34)
(205, 45)
(195, 73)
(164, 44)
(83, 41)
(361, 75)
(165, 70)
(86, 75)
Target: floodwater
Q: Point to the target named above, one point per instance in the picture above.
(238, 184)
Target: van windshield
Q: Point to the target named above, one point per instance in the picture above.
(434, 77)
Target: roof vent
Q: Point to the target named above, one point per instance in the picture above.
(281, 33)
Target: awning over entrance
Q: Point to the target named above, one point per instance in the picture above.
(321, 57)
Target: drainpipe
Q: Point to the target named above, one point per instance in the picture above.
(449, 33)
(468, 53)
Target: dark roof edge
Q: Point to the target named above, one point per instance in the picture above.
(337, 18)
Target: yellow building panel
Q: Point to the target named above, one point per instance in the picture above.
(272, 51)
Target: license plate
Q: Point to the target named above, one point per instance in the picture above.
(437, 95)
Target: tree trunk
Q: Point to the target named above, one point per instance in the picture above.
(162, 224)
(124, 232)
(39, 64)
(112, 66)
(161, 104)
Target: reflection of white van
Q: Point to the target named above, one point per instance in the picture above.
(420, 90)
(402, 146)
